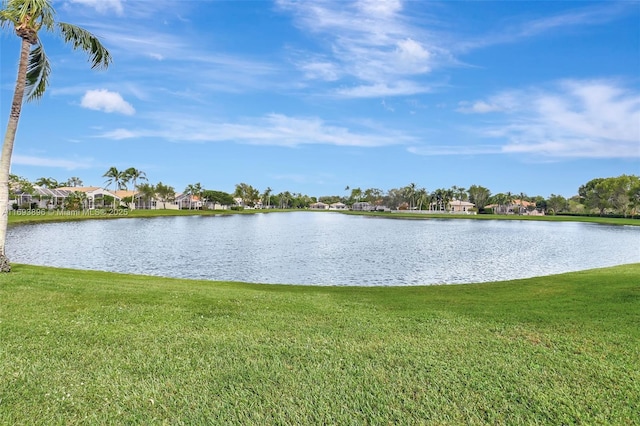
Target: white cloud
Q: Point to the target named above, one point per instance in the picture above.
(508, 101)
(119, 134)
(477, 107)
(380, 7)
(412, 50)
(156, 56)
(430, 150)
(320, 70)
(63, 163)
(271, 130)
(383, 89)
(102, 6)
(578, 118)
(107, 101)
(372, 43)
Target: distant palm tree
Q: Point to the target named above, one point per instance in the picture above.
(459, 192)
(28, 17)
(197, 192)
(49, 183)
(410, 193)
(520, 210)
(193, 190)
(132, 174)
(422, 196)
(509, 200)
(116, 178)
(74, 181)
(266, 195)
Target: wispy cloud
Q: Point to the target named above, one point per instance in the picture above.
(588, 119)
(597, 14)
(396, 88)
(370, 45)
(464, 150)
(102, 6)
(272, 130)
(106, 101)
(62, 163)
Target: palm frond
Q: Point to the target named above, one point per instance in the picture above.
(81, 38)
(6, 19)
(38, 72)
(34, 14)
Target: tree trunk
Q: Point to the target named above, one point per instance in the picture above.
(7, 150)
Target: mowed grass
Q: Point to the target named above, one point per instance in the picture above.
(82, 347)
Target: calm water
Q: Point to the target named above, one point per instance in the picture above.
(326, 248)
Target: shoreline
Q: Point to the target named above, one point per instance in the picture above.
(42, 217)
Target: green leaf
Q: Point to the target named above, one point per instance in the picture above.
(38, 72)
(83, 39)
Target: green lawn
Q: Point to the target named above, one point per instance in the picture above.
(79, 347)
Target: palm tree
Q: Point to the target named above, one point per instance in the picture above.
(356, 195)
(266, 196)
(422, 196)
(410, 193)
(522, 195)
(197, 192)
(49, 183)
(116, 178)
(502, 200)
(132, 174)
(74, 181)
(193, 190)
(27, 18)
(459, 192)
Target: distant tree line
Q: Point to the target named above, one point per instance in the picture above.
(601, 196)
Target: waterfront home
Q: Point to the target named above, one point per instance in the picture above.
(319, 206)
(361, 206)
(337, 206)
(459, 206)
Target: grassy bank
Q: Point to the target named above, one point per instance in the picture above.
(588, 219)
(31, 216)
(101, 348)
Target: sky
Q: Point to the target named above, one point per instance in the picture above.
(534, 97)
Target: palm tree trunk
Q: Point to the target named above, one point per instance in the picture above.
(7, 150)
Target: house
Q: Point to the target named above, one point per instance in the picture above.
(131, 196)
(459, 206)
(319, 206)
(337, 206)
(44, 198)
(521, 207)
(96, 197)
(188, 201)
(361, 206)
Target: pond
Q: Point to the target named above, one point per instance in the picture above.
(324, 248)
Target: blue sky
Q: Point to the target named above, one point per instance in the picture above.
(313, 96)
